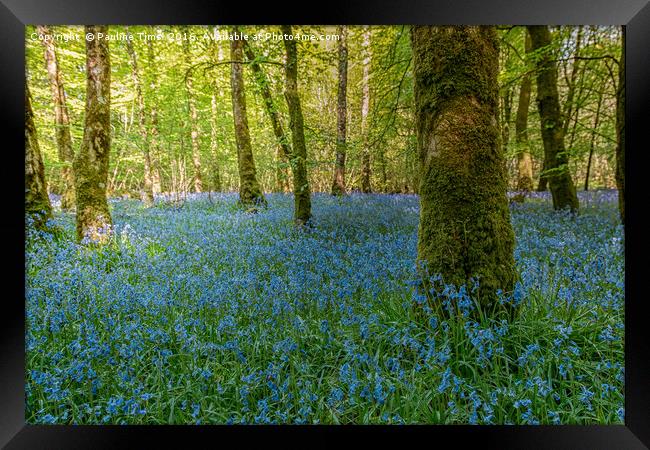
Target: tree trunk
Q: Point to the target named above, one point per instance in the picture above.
(381, 162)
(568, 106)
(194, 117)
(61, 119)
(365, 107)
(574, 128)
(142, 124)
(37, 202)
(620, 131)
(214, 145)
(338, 185)
(593, 139)
(250, 194)
(91, 162)
(154, 145)
(283, 148)
(524, 160)
(555, 156)
(542, 185)
(155, 150)
(464, 229)
(507, 116)
(298, 159)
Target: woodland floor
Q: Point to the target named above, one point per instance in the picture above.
(206, 314)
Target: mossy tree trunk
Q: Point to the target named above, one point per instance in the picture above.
(556, 158)
(365, 108)
(37, 202)
(250, 193)
(620, 131)
(507, 117)
(61, 118)
(464, 229)
(142, 124)
(194, 115)
(91, 162)
(338, 184)
(524, 160)
(568, 105)
(298, 158)
(283, 148)
(154, 143)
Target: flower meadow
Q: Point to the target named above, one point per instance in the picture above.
(206, 314)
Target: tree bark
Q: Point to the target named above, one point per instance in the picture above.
(568, 107)
(142, 124)
(37, 201)
(542, 185)
(338, 185)
(555, 156)
(524, 160)
(507, 117)
(194, 116)
(91, 162)
(283, 147)
(464, 229)
(620, 131)
(250, 194)
(383, 173)
(154, 144)
(593, 140)
(298, 159)
(214, 145)
(61, 119)
(365, 107)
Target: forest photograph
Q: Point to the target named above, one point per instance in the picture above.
(335, 225)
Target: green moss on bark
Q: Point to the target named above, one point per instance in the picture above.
(556, 158)
(283, 149)
(37, 202)
(298, 158)
(91, 162)
(338, 183)
(465, 229)
(250, 193)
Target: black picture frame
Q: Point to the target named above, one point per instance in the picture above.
(15, 14)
